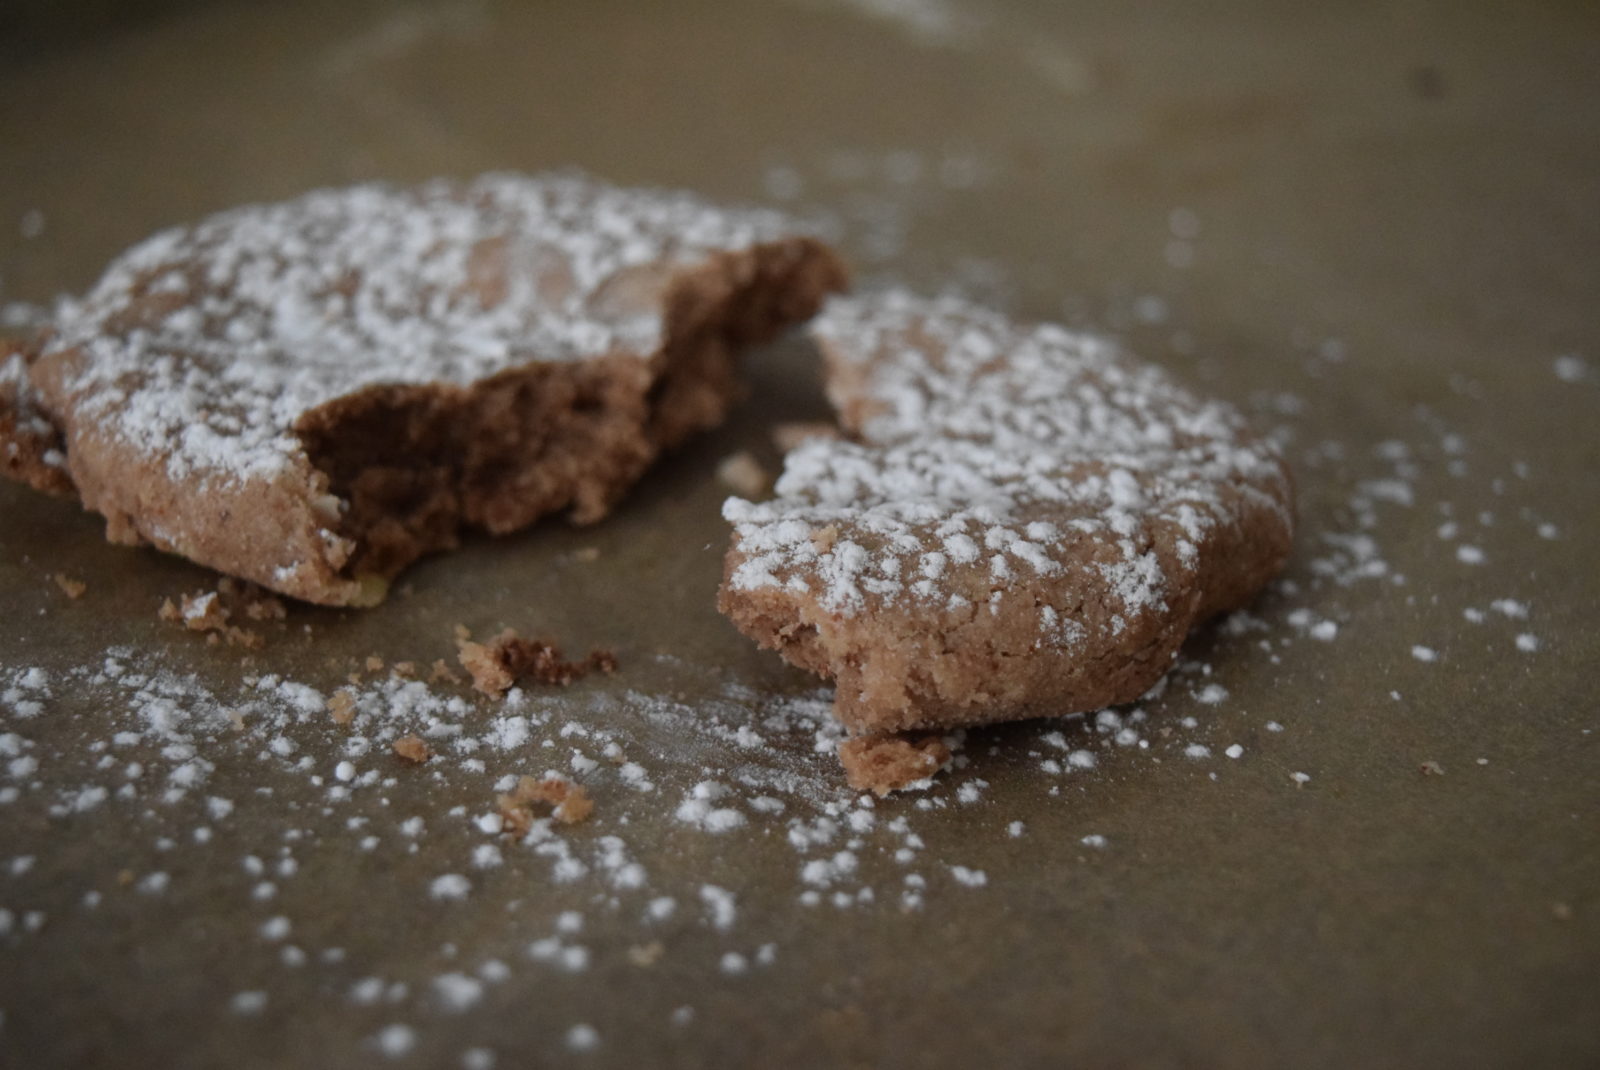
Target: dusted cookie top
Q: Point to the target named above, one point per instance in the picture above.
(1003, 490)
(992, 446)
(208, 342)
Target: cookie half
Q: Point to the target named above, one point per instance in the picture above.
(1018, 521)
(311, 395)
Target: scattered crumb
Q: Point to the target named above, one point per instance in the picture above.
(569, 801)
(255, 603)
(501, 662)
(412, 748)
(443, 674)
(646, 954)
(1432, 769)
(882, 764)
(342, 706)
(743, 474)
(213, 612)
(72, 588)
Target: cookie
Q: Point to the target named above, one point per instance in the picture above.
(313, 394)
(1018, 521)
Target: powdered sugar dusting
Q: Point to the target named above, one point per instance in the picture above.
(997, 453)
(205, 344)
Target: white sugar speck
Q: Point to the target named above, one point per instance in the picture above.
(972, 878)
(1527, 642)
(395, 1040)
(720, 904)
(1424, 653)
(1510, 607)
(450, 886)
(457, 992)
(1235, 751)
(583, 1037)
(154, 883)
(248, 1002)
(1570, 368)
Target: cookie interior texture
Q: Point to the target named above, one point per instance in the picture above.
(313, 394)
(1019, 521)
(31, 450)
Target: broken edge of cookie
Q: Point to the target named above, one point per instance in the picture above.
(885, 764)
(31, 446)
(377, 476)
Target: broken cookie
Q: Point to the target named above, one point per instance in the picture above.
(1020, 521)
(311, 395)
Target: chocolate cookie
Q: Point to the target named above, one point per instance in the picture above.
(1019, 521)
(311, 395)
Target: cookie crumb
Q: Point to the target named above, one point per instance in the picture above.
(1432, 769)
(646, 955)
(496, 665)
(744, 475)
(342, 706)
(882, 764)
(443, 673)
(255, 603)
(570, 803)
(72, 588)
(213, 612)
(412, 749)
